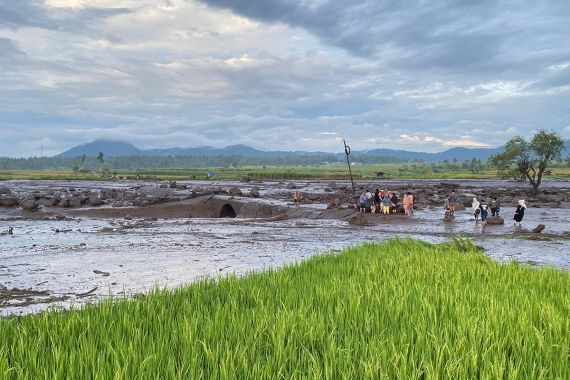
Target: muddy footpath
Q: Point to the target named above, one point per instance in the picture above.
(65, 243)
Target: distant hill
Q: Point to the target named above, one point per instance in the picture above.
(460, 154)
(120, 148)
(108, 148)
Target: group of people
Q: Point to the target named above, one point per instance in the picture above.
(481, 210)
(385, 201)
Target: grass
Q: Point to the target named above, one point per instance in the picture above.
(402, 309)
(322, 172)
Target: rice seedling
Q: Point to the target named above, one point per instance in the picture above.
(400, 309)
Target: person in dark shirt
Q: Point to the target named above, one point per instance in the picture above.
(452, 202)
(519, 213)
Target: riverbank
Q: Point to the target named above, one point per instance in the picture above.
(399, 309)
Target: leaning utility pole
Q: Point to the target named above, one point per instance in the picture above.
(347, 151)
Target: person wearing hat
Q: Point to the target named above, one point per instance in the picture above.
(519, 213)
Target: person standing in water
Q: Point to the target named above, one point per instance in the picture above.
(386, 203)
(406, 203)
(484, 211)
(446, 206)
(495, 207)
(476, 210)
(395, 203)
(519, 213)
(452, 201)
(412, 199)
(362, 202)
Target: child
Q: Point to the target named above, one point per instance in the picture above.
(297, 197)
(386, 203)
(446, 206)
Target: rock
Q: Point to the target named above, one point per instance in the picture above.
(75, 202)
(64, 203)
(358, 220)
(104, 274)
(29, 205)
(50, 202)
(95, 201)
(538, 229)
(9, 201)
(312, 196)
(291, 186)
(235, 191)
(172, 184)
(495, 220)
(254, 193)
(334, 204)
(4, 190)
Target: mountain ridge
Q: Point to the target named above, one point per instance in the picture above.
(112, 148)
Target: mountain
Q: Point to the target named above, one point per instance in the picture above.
(120, 148)
(460, 154)
(108, 148)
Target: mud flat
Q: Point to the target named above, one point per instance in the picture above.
(146, 234)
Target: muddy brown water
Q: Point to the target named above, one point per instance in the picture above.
(90, 255)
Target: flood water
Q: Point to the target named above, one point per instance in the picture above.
(85, 259)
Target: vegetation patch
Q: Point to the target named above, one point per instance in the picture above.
(401, 309)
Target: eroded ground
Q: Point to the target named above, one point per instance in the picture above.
(64, 256)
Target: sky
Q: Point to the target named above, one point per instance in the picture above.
(281, 74)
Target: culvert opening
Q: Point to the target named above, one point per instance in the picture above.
(228, 212)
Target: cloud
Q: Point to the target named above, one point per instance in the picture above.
(279, 74)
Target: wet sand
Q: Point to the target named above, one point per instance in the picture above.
(89, 253)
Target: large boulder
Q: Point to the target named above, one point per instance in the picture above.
(495, 220)
(29, 205)
(9, 200)
(254, 193)
(95, 201)
(64, 203)
(334, 204)
(235, 191)
(291, 186)
(358, 219)
(4, 190)
(75, 202)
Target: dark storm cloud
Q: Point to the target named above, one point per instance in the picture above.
(463, 35)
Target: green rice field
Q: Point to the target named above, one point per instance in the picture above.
(318, 172)
(401, 309)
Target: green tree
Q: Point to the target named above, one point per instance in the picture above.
(101, 158)
(528, 160)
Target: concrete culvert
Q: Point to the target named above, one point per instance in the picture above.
(227, 212)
